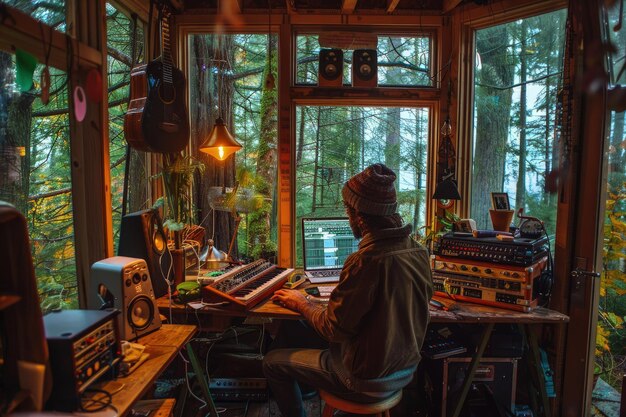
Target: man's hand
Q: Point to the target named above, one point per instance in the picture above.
(292, 299)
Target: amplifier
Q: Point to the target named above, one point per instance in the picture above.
(519, 251)
(498, 375)
(511, 287)
(239, 389)
(84, 345)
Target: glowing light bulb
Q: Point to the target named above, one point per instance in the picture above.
(220, 151)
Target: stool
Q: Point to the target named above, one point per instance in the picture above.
(380, 408)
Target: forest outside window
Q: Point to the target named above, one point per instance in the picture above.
(402, 61)
(51, 12)
(610, 359)
(227, 78)
(35, 176)
(517, 76)
(334, 143)
(120, 35)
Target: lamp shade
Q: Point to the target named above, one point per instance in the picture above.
(220, 143)
(446, 190)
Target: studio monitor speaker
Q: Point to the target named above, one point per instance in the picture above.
(142, 236)
(330, 68)
(364, 68)
(124, 283)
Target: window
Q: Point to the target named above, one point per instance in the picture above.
(35, 177)
(51, 12)
(120, 30)
(334, 143)
(516, 80)
(227, 75)
(610, 337)
(402, 60)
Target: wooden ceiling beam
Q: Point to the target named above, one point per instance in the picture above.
(348, 6)
(391, 5)
(448, 5)
(233, 6)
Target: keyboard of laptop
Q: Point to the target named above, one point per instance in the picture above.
(318, 277)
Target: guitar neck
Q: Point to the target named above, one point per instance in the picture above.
(166, 53)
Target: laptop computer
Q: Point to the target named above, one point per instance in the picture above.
(326, 243)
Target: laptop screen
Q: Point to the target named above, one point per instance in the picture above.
(327, 242)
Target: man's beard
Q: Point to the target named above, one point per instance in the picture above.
(356, 230)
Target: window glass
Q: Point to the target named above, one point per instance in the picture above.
(228, 79)
(610, 337)
(402, 60)
(517, 79)
(51, 12)
(35, 177)
(334, 143)
(616, 31)
(119, 61)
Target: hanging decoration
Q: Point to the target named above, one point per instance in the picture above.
(80, 103)
(44, 83)
(44, 78)
(25, 65)
(93, 86)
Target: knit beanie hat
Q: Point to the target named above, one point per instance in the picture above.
(372, 191)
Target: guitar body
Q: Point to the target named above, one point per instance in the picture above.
(132, 119)
(165, 126)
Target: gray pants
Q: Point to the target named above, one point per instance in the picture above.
(285, 368)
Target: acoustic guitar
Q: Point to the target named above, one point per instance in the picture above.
(156, 120)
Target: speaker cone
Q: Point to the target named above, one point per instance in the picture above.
(158, 240)
(140, 312)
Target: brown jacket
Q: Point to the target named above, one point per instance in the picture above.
(377, 315)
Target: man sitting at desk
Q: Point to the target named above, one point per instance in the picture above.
(377, 315)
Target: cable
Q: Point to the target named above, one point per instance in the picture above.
(92, 400)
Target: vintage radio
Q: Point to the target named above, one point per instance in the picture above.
(519, 251)
(512, 287)
(84, 345)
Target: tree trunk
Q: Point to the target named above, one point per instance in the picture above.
(16, 115)
(520, 194)
(267, 158)
(211, 97)
(493, 106)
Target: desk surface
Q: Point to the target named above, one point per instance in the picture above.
(162, 345)
(460, 312)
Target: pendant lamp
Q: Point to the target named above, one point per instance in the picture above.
(446, 188)
(220, 143)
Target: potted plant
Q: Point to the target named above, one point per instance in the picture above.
(177, 177)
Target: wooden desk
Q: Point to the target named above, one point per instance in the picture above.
(459, 313)
(163, 345)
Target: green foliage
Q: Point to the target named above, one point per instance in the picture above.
(611, 335)
(177, 176)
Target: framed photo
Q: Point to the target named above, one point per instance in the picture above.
(500, 201)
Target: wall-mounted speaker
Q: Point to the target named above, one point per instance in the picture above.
(124, 283)
(330, 68)
(142, 236)
(364, 68)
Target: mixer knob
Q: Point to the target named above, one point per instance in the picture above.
(474, 269)
(463, 268)
(515, 275)
(488, 271)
